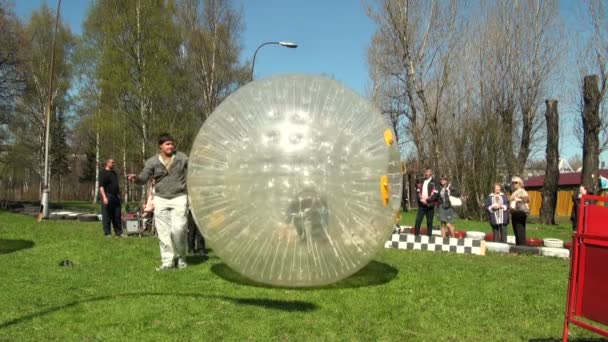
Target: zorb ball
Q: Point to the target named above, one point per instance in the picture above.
(295, 181)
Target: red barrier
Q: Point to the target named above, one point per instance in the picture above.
(587, 304)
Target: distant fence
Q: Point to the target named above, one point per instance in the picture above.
(564, 202)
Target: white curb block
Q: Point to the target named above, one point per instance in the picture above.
(555, 252)
(553, 243)
(497, 247)
(476, 235)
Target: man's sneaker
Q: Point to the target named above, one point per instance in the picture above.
(109, 236)
(164, 268)
(181, 263)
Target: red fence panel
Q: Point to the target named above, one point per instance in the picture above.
(587, 304)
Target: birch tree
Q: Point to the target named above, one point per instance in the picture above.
(30, 125)
(410, 58)
(210, 32)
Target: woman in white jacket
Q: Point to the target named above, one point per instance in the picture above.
(497, 205)
(519, 210)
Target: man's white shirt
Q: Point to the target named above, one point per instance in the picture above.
(425, 188)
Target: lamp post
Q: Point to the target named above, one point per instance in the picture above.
(285, 44)
(44, 201)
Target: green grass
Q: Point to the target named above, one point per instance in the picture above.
(113, 293)
(562, 230)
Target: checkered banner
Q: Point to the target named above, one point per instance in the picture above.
(437, 244)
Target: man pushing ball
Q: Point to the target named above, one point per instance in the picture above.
(168, 169)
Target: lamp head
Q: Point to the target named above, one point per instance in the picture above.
(289, 45)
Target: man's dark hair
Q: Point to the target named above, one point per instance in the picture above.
(107, 161)
(164, 138)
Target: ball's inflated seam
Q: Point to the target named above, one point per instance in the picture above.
(295, 180)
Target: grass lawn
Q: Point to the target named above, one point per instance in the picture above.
(113, 293)
(562, 230)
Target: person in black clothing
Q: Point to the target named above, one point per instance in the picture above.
(427, 195)
(447, 214)
(196, 242)
(576, 199)
(110, 200)
(308, 213)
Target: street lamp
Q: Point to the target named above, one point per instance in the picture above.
(285, 44)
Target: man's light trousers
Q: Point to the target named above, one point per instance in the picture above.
(171, 219)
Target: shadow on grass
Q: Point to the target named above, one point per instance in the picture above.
(283, 305)
(10, 246)
(375, 273)
(199, 259)
(265, 303)
(582, 339)
(196, 259)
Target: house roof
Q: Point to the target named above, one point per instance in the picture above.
(565, 179)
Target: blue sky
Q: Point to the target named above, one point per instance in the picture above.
(333, 37)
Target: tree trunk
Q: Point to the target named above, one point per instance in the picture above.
(525, 140)
(97, 167)
(591, 129)
(506, 136)
(59, 188)
(405, 190)
(411, 180)
(127, 188)
(551, 183)
(144, 108)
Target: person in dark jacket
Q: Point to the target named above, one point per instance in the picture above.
(196, 241)
(308, 213)
(111, 207)
(576, 200)
(447, 214)
(427, 195)
(497, 205)
(520, 208)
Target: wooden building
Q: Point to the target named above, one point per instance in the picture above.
(568, 185)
